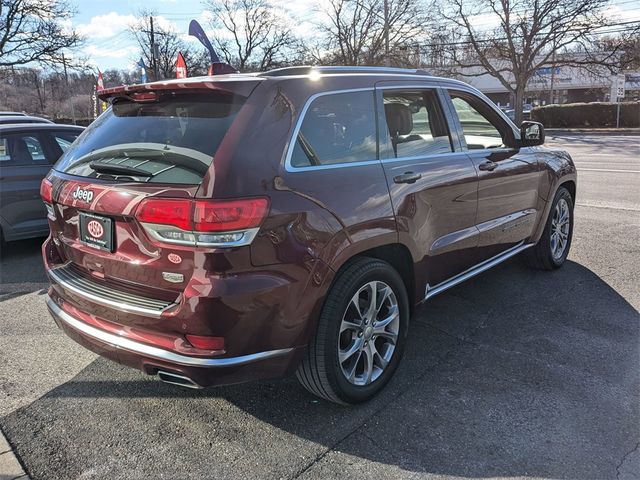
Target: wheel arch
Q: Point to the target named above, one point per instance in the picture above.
(570, 185)
(395, 254)
(569, 182)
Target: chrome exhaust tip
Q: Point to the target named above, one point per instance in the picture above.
(175, 379)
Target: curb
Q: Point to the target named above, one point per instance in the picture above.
(10, 468)
(593, 131)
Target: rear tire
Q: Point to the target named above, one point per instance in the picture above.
(553, 247)
(358, 343)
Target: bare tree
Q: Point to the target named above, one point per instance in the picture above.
(168, 44)
(628, 44)
(355, 31)
(259, 37)
(32, 31)
(531, 34)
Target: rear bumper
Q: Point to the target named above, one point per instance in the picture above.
(151, 359)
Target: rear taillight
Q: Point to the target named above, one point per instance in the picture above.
(207, 223)
(46, 192)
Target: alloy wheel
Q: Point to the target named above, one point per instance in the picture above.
(560, 226)
(368, 333)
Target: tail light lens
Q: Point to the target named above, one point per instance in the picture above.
(46, 192)
(229, 215)
(207, 223)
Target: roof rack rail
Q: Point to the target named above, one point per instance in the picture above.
(307, 69)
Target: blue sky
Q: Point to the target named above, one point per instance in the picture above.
(108, 44)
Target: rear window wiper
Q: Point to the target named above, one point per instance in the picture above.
(116, 169)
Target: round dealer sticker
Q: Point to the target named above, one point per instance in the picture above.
(174, 258)
(95, 229)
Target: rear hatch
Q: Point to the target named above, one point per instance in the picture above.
(123, 205)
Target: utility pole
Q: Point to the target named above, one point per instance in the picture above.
(154, 63)
(553, 75)
(386, 33)
(66, 81)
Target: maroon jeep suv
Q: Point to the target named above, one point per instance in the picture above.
(220, 229)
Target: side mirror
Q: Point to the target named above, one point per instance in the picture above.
(531, 134)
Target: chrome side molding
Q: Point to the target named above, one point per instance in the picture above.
(476, 270)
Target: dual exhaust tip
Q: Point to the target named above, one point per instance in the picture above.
(176, 379)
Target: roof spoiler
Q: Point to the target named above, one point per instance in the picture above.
(147, 92)
(220, 68)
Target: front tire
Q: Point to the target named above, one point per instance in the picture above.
(552, 249)
(361, 334)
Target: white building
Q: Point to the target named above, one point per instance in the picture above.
(570, 85)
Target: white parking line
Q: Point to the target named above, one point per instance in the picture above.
(610, 207)
(606, 170)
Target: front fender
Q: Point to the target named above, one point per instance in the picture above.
(558, 169)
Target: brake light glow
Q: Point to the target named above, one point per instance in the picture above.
(223, 223)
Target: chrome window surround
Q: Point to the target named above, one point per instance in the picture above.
(294, 138)
(155, 352)
(290, 168)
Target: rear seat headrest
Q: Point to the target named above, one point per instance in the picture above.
(399, 119)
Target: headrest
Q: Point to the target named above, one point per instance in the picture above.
(399, 119)
(21, 151)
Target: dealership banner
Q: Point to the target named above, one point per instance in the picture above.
(181, 67)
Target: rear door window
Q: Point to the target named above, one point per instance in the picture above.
(170, 140)
(22, 149)
(337, 128)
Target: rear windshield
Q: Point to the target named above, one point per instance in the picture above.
(171, 140)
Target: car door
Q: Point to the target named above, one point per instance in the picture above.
(25, 159)
(508, 177)
(432, 182)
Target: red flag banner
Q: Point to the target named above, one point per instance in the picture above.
(181, 67)
(100, 81)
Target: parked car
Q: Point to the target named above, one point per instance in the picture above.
(12, 114)
(236, 227)
(27, 153)
(8, 119)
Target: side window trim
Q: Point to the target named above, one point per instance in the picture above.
(294, 137)
(455, 129)
(453, 135)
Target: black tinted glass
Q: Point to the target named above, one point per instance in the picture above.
(337, 128)
(21, 149)
(171, 140)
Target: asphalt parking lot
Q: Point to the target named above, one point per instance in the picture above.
(515, 374)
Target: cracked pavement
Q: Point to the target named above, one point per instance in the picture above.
(514, 374)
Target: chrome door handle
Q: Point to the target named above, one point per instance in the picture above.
(407, 177)
(488, 166)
